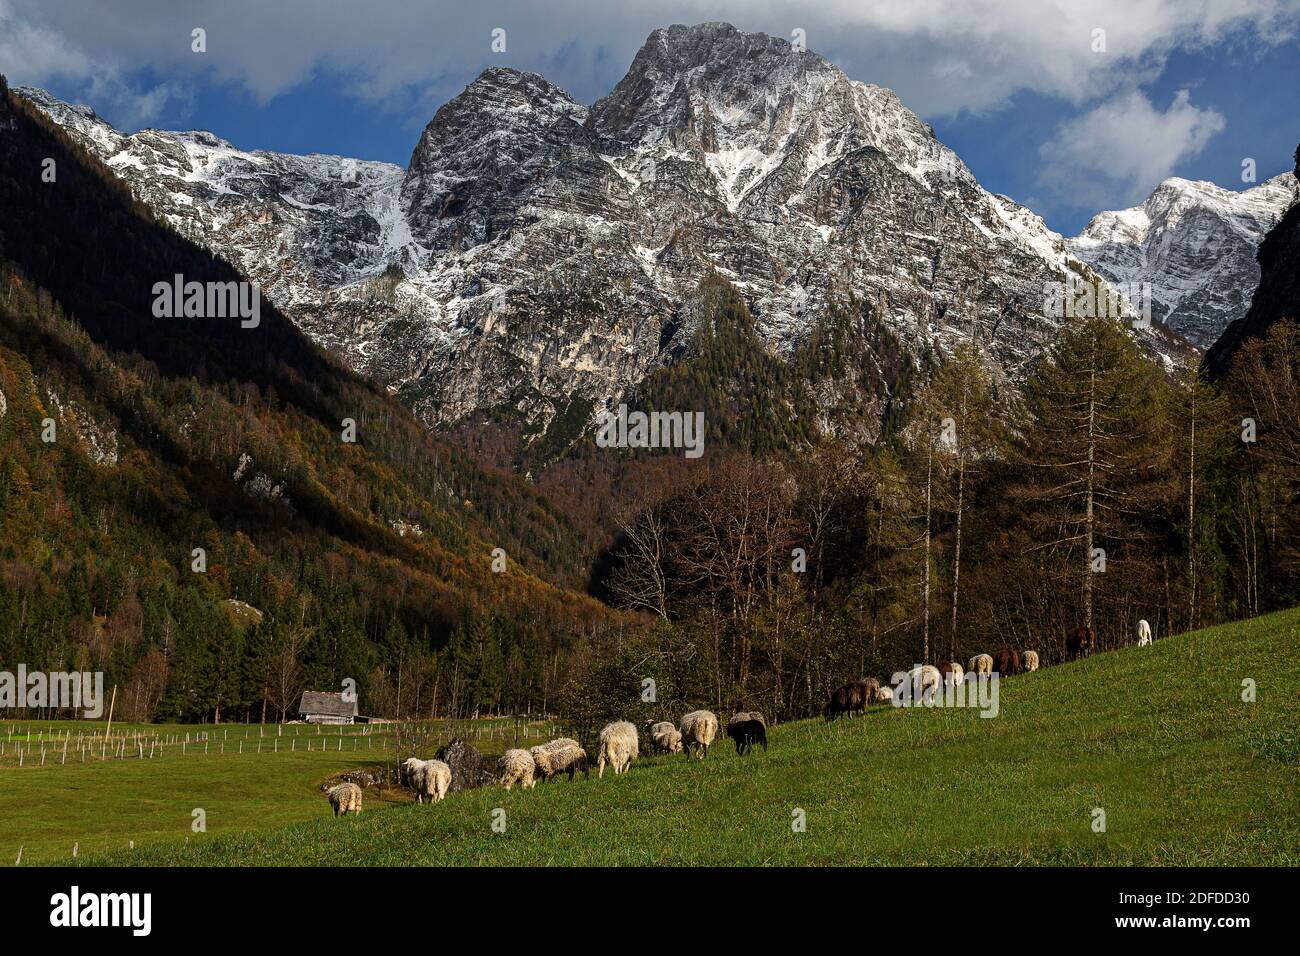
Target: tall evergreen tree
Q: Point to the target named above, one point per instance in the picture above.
(1093, 446)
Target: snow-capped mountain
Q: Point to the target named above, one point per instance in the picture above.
(539, 255)
(1195, 244)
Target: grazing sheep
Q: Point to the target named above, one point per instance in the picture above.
(886, 695)
(981, 664)
(849, 699)
(516, 767)
(1007, 662)
(869, 688)
(1144, 633)
(344, 798)
(925, 682)
(1080, 643)
(408, 765)
(699, 727)
(562, 755)
(1030, 660)
(429, 778)
(951, 671)
(666, 737)
(748, 728)
(618, 747)
(411, 767)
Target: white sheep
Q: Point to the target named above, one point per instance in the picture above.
(517, 766)
(886, 695)
(1144, 633)
(955, 676)
(981, 664)
(665, 737)
(1029, 660)
(699, 727)
(924, 680)
(429, 778)
(618, 747)
(562, 755)
(344, 797)
(408, 765)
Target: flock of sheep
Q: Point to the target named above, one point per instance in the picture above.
(619, 745)
(619, 741)
(929, 679)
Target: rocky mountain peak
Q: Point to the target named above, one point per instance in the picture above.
(509, 90)
(705, 79)
(1193, 243)
(479, 153)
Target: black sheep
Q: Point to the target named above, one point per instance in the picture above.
(746, 729)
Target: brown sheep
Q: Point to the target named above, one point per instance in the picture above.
(852, 698)
(1007, 662)
(1080, 643)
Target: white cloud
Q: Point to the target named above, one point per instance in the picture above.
(36, 54)
(407, 57)
(940, 56)
(1121, 149)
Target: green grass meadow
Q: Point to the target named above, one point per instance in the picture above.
(103, 805)
(1159, 738)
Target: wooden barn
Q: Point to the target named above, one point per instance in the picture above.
(326, 707)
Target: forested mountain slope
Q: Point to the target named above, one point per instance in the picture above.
(130, 440)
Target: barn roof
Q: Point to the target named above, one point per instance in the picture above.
(328, 703)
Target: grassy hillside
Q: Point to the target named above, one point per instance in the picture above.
(1158, 737)
(243, 779)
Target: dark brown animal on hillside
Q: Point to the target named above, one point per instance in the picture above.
(1080, 643)
(1007, 662)
(746, 729)
(849, 699)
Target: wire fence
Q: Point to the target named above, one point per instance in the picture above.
(34, 745)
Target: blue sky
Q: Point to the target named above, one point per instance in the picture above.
(1019, 88)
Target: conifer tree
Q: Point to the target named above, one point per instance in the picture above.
(1092, 447)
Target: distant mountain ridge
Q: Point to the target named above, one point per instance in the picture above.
(538, 257)
(1195, 244)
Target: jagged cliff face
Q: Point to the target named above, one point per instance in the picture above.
(1195, 243)
(1278, 297)
(538, 256)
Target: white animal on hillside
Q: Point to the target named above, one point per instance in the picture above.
(429, 778)
(955, 676)
(516, 767)
(562, 755)
(408, 765)
(699, 728)
(618, 747)
(981, 664)
(1144, 633)
(345, 798)
(1030, 660)
(924, 682)
(666, 737)
(885, 696)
